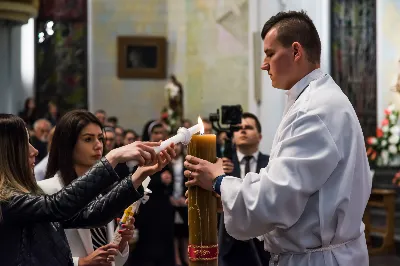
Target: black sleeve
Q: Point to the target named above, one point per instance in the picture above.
(104, 209)
(61, 206)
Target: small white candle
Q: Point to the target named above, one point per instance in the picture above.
(183, 136)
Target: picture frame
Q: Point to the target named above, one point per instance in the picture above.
(141, 57)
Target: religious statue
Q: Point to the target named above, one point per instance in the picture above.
(172, 115)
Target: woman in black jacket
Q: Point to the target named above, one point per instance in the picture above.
(31, 224)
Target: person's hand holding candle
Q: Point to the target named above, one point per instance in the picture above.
(126, 232)
(163, 158)
(201, 172)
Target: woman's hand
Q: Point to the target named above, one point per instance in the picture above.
(142, 152)
(126, 233)
(102, 256)
(164, 158)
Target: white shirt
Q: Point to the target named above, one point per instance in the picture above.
(242, 161)
(40, 168)
(315, 188)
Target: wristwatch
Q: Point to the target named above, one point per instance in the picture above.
(216, 184)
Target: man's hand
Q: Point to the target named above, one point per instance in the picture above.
(102, 256)
(166, 177)
(227, 165)
(201, 172)
(126, 233)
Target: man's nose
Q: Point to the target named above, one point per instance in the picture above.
(265, 66)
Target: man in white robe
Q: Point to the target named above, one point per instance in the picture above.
(308, 203)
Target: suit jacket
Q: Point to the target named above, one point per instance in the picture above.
(234, 252)
(80, 240)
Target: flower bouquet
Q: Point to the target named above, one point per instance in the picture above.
(384, 148)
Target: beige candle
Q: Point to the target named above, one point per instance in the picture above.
(203, 239)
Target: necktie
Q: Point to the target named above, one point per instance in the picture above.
(99, 237)
(247, 160)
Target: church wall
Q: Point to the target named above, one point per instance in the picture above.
(133, 101)
(216, 62)
(388, 53)
(210, 62)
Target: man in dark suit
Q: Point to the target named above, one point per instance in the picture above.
(246, 158)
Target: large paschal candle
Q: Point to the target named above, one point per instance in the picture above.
(203, 239)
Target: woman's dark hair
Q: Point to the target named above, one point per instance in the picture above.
(127, 131)
(26, 104)
(64, 140)
(15, 172)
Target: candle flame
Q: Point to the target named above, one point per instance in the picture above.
(200, 122)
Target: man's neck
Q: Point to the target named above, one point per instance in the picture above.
(307, 69)
(80, 170)
(247, 150)
(304, 71)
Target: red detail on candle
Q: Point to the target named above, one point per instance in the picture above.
(201, 253)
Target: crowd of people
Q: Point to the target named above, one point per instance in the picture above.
(73, 144)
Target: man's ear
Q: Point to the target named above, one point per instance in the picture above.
(297, 51)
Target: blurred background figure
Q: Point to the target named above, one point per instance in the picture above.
(41, 130)
(41, 167)
(53, 114)
(101, 115)
(29, 113)
(130, 136)
(119, 136)
(181, 229)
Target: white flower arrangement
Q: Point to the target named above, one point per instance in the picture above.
(386, 144)
(172, 90)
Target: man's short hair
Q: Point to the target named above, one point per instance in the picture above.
(296, 26)
(252, 116)
(206, 120)
(113, 119)
(109, 129)
(100, 111)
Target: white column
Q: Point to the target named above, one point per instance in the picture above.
(90, 78)
(387, 54)
(28, 40)
(254, 28)
(272, 100)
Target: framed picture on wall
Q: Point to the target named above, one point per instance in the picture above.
(141, 57)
